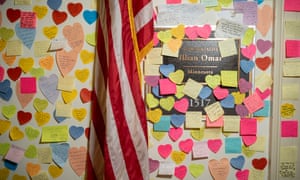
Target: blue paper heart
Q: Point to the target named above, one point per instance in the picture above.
(177, 120)
(5, 90)
(10, 165)
(247, 65)
(4, 85)
(60, 153)
(155, 91)
(238, 162)
(54, 4)
(166, 69)
(90, 16)
(58, 119)
(205, 92)
(26, 35)
(259, 1)
(76, 132)
(228, 102)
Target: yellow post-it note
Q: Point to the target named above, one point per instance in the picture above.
(263, 81)
(14, 48)
(214, 111)
(151, 69)
(288, 153)
(227, 47)
(66, 83)
(54, 134)
(229, 78)
(166, 51)
(192, 88)
(212, 133)
(291, 67)
(44, 155)
(290, 91)
(292, 29)
(63, 110)
(193, 120)
(41, 48)
(154, 56)
(259, 145)
(231, 124)
(23, 2)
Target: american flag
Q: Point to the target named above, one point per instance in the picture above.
(118, 132)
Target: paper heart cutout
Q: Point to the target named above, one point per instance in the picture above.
(13, 14)
(242, 175)
(48, 87)
(166, 69)
(175, 133)
(225, 2)
(90, 16)
(247, 151)
(181, 105)
(205, 92)
(86, 56)
(219, 169)
(191, 32)
(244, 85)
(24, 99)
(75, 36)
(79, 114)
(151, 80)
(66, 61)
(16, 134)
(178, 31)
(85, 95)
(50, 31)
(238, 162)
(9, 60)
(186, 145)
(57, 118)
(60, 153)
(158, 135)
(177, 76)
(14, 73)
(40, 11)
(2, 2)
(155, 39)
(46, 62)
(204, 31)
(164, 36)
(263, 63)
(2, 73)
(264, 19)
(179, 91)
(74, 8)
(238, 97)
(59, 16)
(263, 45)
(154, 115)
(265, 94)
(247, 65)
(260, 163)
(9, 111)
(77, 159)
(6, 33)
(214, 144)
(42, 118)
(228, 102)
(249, 140)
(174, 44)
(55, 171)
(33, 169)
(4, 126)
(213, 80)
(259, 1)
(76, 132)
(177, 120)
(167, 103)
(178, 156)
(32, 133)
(91, 39)
(197, 134)
(54, 4)
(69, 96)
(4, 147)
(2, 44)
(37, 72)
(220, 93)
(180, 171)
(26, 35)
(31, 152)
(5, 90)
(196, 170)
(87, 133)
(164, 150)
(249, 51)
(153, 165)
(152, 102)
(19, 177)
(26, 64)
(40, 104)
(241, 110)
(24, 117)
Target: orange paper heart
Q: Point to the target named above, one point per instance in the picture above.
(264, 19)
(9, 60)
(219, 169)
(33, 169)
(46, 62)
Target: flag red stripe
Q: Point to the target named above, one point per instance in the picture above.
(144, 35)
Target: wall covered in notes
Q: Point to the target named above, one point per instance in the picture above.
(208, 86)
(47, 53)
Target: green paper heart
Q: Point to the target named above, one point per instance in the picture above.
(30, 152)
(37, 72)
(31, 133)
(40, 104)
(6, 33)
(4, 147)
(9, 111)
(91, 39)
(196, 170)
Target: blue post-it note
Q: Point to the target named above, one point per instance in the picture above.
(233, 145)
(265, 111)
(163, 124)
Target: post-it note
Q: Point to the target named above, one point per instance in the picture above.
(163, 124)
(227, 47)
(231, 123)
(15, 154)
(193, 119)
(248, 127)
(289, 128)
(233, 145)
(214, 111)
(192, 88)
(200, 150)
(28, 85)
(44, 155)
(55, 134)
(229, 78)
(292, 48)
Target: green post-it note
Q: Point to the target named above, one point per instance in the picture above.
(54, 134)
(229, 78)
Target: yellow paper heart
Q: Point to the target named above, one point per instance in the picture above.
(154, 115)
(79, 114)
(193, 1)
(40, 104)
(2, 44)
(4, 173)
(152, 102)
(69, 96)
(198, 134)
(213, 80)
(164, 36)
(167, 103)
(50, 31)
(4, 126)
(16, 134)
(178, 156)
(55, 171)
(26, 64)
(40, 11)
(42, 118)
(179, 91)
(86, 56)
(174, 44)
(91, 39)
(158, 135)
(82, 74)
(177, 76)
(238, 97)
(46, 62)
(178, 31)
(18, 177)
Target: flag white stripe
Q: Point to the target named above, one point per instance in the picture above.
(143, 16)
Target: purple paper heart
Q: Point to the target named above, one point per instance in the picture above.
(263, 45)
(244, 85)
(153, 165)
(152, 80)
(48, 86)
(241, 110)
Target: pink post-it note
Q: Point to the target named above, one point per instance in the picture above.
(28, 85)
(253, 102)
(218, 123)
(248, 126)
(292, 5)
(200, 150)
(28, 19)
(167, 87)
(292, 48)
(289, 128)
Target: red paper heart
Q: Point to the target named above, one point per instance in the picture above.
(59, 17)
(74, 8)
(24, 117)
(13, 14)
(263, 63)
(85, 95)
(259, 163)
(14, 73)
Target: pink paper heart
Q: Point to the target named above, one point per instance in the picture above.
(242, 175)
(263, 45)
(265, 94)
(66, 61)
(249, 51)
(180, 171)
(214, 144)
(182, 105)
(153, 165)
(191, 32)
(24, 99)
(155, 39)
(244, 85)
(152, 80)
(2, 71)
(204, 31)
(249, 140)
(175, 133)
(220, 93)
(186, 145)
(164, 150)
